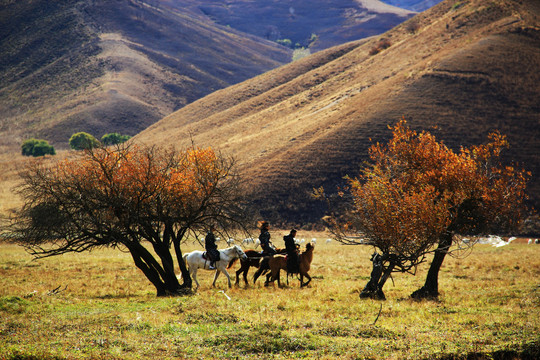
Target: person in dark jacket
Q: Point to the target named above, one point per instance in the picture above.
(211, 248)
(264, 238)
(292, 253)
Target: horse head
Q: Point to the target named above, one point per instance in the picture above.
(240, 252)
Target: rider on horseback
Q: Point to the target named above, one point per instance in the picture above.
(293, 265)
(264, 238)
(211, 248)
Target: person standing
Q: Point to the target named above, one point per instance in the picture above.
(211, 248)
(293, 265)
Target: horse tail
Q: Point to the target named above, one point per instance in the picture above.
(185, 258)
(231, 263)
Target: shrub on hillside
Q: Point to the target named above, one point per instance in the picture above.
(37, 147)
(380, 46)
(82, 141)
(412, 26)
(114, 138)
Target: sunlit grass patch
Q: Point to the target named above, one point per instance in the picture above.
(109, 310)
(12, 304)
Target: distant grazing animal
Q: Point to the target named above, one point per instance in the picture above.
(279, 262)
(195, 261)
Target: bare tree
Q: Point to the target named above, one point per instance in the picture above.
(128, 197)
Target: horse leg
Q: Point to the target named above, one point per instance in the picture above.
(258, 273)
(215, 278)
(301, 279)
(278, 278)
(228, 277)
(245, 269)
(194, 277)
(245, 275)
(264, 266)
(238, 272)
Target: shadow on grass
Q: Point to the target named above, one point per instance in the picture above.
(527, 351)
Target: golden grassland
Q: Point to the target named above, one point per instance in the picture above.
(9, 165)
(105, 308)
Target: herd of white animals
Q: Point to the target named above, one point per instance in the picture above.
(494, 240)
(498, 241)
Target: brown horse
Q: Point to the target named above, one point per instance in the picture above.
(279, 262)
(255, 259)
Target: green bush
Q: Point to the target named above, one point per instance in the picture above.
(114, 138)
(37, 147)
(82, 141)
(285, 42)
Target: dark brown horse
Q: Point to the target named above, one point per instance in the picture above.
(255, 259)
(279, 262)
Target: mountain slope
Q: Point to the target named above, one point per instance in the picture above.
(466, 70)
(318, 24)
(414, 5)
(104, 66)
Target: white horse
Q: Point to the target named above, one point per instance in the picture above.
(195, 261)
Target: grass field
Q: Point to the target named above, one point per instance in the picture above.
(105, 308)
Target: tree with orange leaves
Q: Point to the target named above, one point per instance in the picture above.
(126, 197)
(417, 194)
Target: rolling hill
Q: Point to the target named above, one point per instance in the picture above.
(414, 5)
(105, 66)
(317, 24)
(118, 66)
(459, 69)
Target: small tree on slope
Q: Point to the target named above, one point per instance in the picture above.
(126, 197)
(418, 193)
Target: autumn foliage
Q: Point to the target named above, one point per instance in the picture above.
(418, 192)
(122, 196)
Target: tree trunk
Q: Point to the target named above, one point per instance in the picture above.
(171, 281)
(186, 277)
(431, 286)
(150, 273)
(379, 275)
(164, 280)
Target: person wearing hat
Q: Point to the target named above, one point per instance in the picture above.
(211, 248)
(293, 265)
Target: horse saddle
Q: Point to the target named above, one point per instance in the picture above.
(209, 257)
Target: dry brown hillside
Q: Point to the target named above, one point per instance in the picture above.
(467, 68)
(112, 66)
